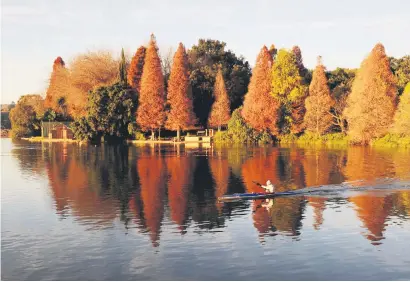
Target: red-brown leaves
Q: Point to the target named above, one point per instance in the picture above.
(181, 114)
(318, 118)
(136, 68)
(220, 111)
(151, 109)
(260, 109)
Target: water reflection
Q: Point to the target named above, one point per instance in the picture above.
(153, 187)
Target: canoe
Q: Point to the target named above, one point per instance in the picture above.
(251, 196)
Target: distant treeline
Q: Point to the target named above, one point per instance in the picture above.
(209, 86)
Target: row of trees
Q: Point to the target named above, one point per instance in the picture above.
(204, 85)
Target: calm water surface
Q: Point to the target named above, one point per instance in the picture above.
(151, 212)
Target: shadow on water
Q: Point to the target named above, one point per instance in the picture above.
(154, 187)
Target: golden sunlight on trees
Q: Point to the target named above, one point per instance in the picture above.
(135, 69)
(151, 106)
(402, 117)
(371, 105)
(87, 72)
(287, 87)
(59, 88)
(260, 109)
(318, 118)
(181, 114)
(220, 111)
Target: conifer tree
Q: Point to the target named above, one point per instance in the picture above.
(123, 68)
(318, 118)
(58, 85)
(181, 114)
(136, 68)
(287, 87)
(371, 105)
(260, 109)
(402, 116)
(151, 106)
(220, 112)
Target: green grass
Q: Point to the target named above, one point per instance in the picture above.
(392, 140)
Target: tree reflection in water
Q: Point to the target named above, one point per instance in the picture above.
(145, 184)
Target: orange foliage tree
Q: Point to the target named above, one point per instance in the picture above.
(220, 111)
(402, 116)
(371, 105)
(87, 72)
(181, 115)
(151, 109)
(260, 109)
(318, 118)
(135, 69)
(58, 89)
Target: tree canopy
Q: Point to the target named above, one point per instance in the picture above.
(204, 60)
(220, 112)
(371, 105)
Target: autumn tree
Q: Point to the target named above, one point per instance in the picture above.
(220, 113)
(151, 108)
(371, 105)
(288, 89)
(58, 89)
(181, 115)
(205, 59)
(402, 116)
(260, 109)
(87, 72)
(318, 118)
(135, 69)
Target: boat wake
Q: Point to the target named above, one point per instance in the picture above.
(381, 186)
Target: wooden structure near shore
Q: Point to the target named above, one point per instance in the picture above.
(56, 130)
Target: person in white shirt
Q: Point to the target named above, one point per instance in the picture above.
(269, 188)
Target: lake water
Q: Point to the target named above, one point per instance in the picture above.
(71, 212)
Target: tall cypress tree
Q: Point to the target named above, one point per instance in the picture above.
(220, 112)
(402, 116)
(123, 68)
(260, 109)
(318, 118)
(181, 114)
(151, 101)
(136, 67)
(287, 87)
(371, 105)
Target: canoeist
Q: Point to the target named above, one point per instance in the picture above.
(269, 187)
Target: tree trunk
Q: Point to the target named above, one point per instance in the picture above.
(219, 128)
(159, 134)
(153, 135)
(178, 134)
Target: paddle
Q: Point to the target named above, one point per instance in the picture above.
(257, 183)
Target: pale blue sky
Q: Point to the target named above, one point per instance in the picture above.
(33, 33)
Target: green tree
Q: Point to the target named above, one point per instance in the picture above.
(401, 69)
(340, 83)
(402, 116)
(110, 110)
(24, 117)
(204, 60)
(288, 88)
(123, 68)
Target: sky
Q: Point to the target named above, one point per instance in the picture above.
(34, 33)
